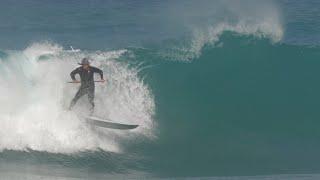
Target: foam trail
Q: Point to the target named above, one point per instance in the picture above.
(35, 95)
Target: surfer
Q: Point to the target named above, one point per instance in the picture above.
(86, 73)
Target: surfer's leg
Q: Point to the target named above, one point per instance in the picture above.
(91, 99)
(80, 93)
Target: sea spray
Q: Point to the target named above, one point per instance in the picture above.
(35, 96)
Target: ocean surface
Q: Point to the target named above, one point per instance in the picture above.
(220, 89)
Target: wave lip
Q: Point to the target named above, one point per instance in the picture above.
(259, 19)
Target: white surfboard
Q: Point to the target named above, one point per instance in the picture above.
(109, 124)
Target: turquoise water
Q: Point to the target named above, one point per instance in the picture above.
(221, 90)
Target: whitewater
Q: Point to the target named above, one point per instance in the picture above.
(35, 97)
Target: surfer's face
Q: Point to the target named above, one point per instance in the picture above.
(85, 66)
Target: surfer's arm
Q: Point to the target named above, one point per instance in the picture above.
(99, 71)
(73, 73)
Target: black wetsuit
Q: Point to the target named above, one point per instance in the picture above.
(87, 84)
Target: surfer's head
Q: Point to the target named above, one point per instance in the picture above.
(85, 63)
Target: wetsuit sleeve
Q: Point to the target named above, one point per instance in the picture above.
(73, 73)
(97, 70)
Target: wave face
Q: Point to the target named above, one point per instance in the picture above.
(218, 88)
(246, 107)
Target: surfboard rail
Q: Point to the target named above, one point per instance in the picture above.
(109, 124)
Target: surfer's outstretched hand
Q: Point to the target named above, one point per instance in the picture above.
(76, 81)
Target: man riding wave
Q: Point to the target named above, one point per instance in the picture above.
(86, 73)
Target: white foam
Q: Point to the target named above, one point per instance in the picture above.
(35, 96)
(211, 35)
(208, 20)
